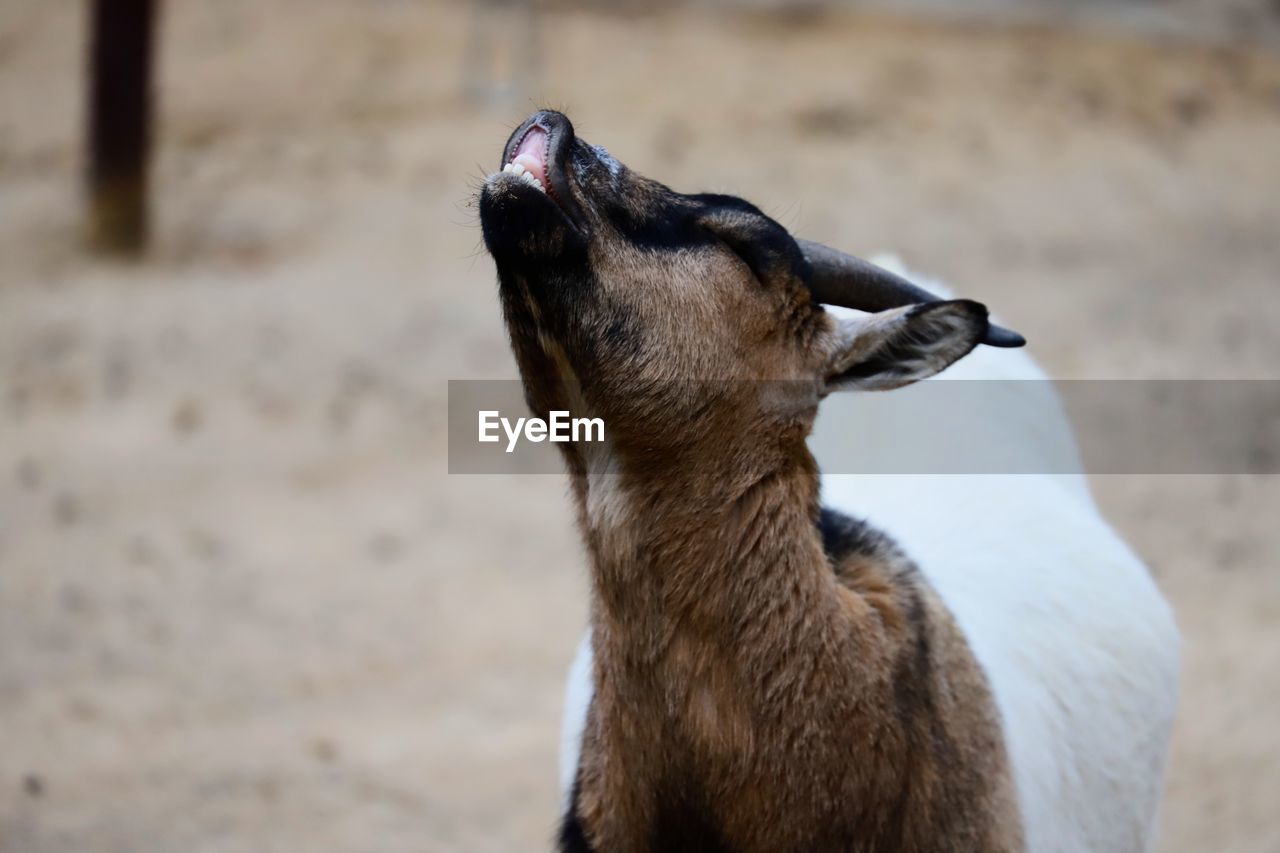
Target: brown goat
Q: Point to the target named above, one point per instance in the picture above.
(769, 676)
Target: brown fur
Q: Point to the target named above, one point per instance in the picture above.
(753, 691)
(794, 708)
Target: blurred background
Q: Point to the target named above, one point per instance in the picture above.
(242, 604)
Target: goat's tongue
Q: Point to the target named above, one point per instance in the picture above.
(532, 154)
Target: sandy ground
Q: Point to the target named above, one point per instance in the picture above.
(242, 604)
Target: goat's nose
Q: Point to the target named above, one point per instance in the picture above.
(552, 120)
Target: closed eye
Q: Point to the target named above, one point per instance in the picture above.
(759, 242)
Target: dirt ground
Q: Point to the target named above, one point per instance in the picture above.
(242, 604)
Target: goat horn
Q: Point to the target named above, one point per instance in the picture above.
(840, 279)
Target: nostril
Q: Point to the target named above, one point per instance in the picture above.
(552, 119)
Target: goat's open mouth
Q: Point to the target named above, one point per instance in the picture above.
(536, 155)
(528, 160)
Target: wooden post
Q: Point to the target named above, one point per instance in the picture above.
(119, 126)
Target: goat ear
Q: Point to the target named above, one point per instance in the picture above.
(893, 348)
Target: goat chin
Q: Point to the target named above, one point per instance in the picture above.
(1079, 646)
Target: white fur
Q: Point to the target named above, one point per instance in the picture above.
(1079, 646)
(577, 699)
(606, 503)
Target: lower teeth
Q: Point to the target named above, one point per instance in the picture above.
(525, 176)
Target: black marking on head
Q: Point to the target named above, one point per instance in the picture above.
(762, 244)
(654, 217)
